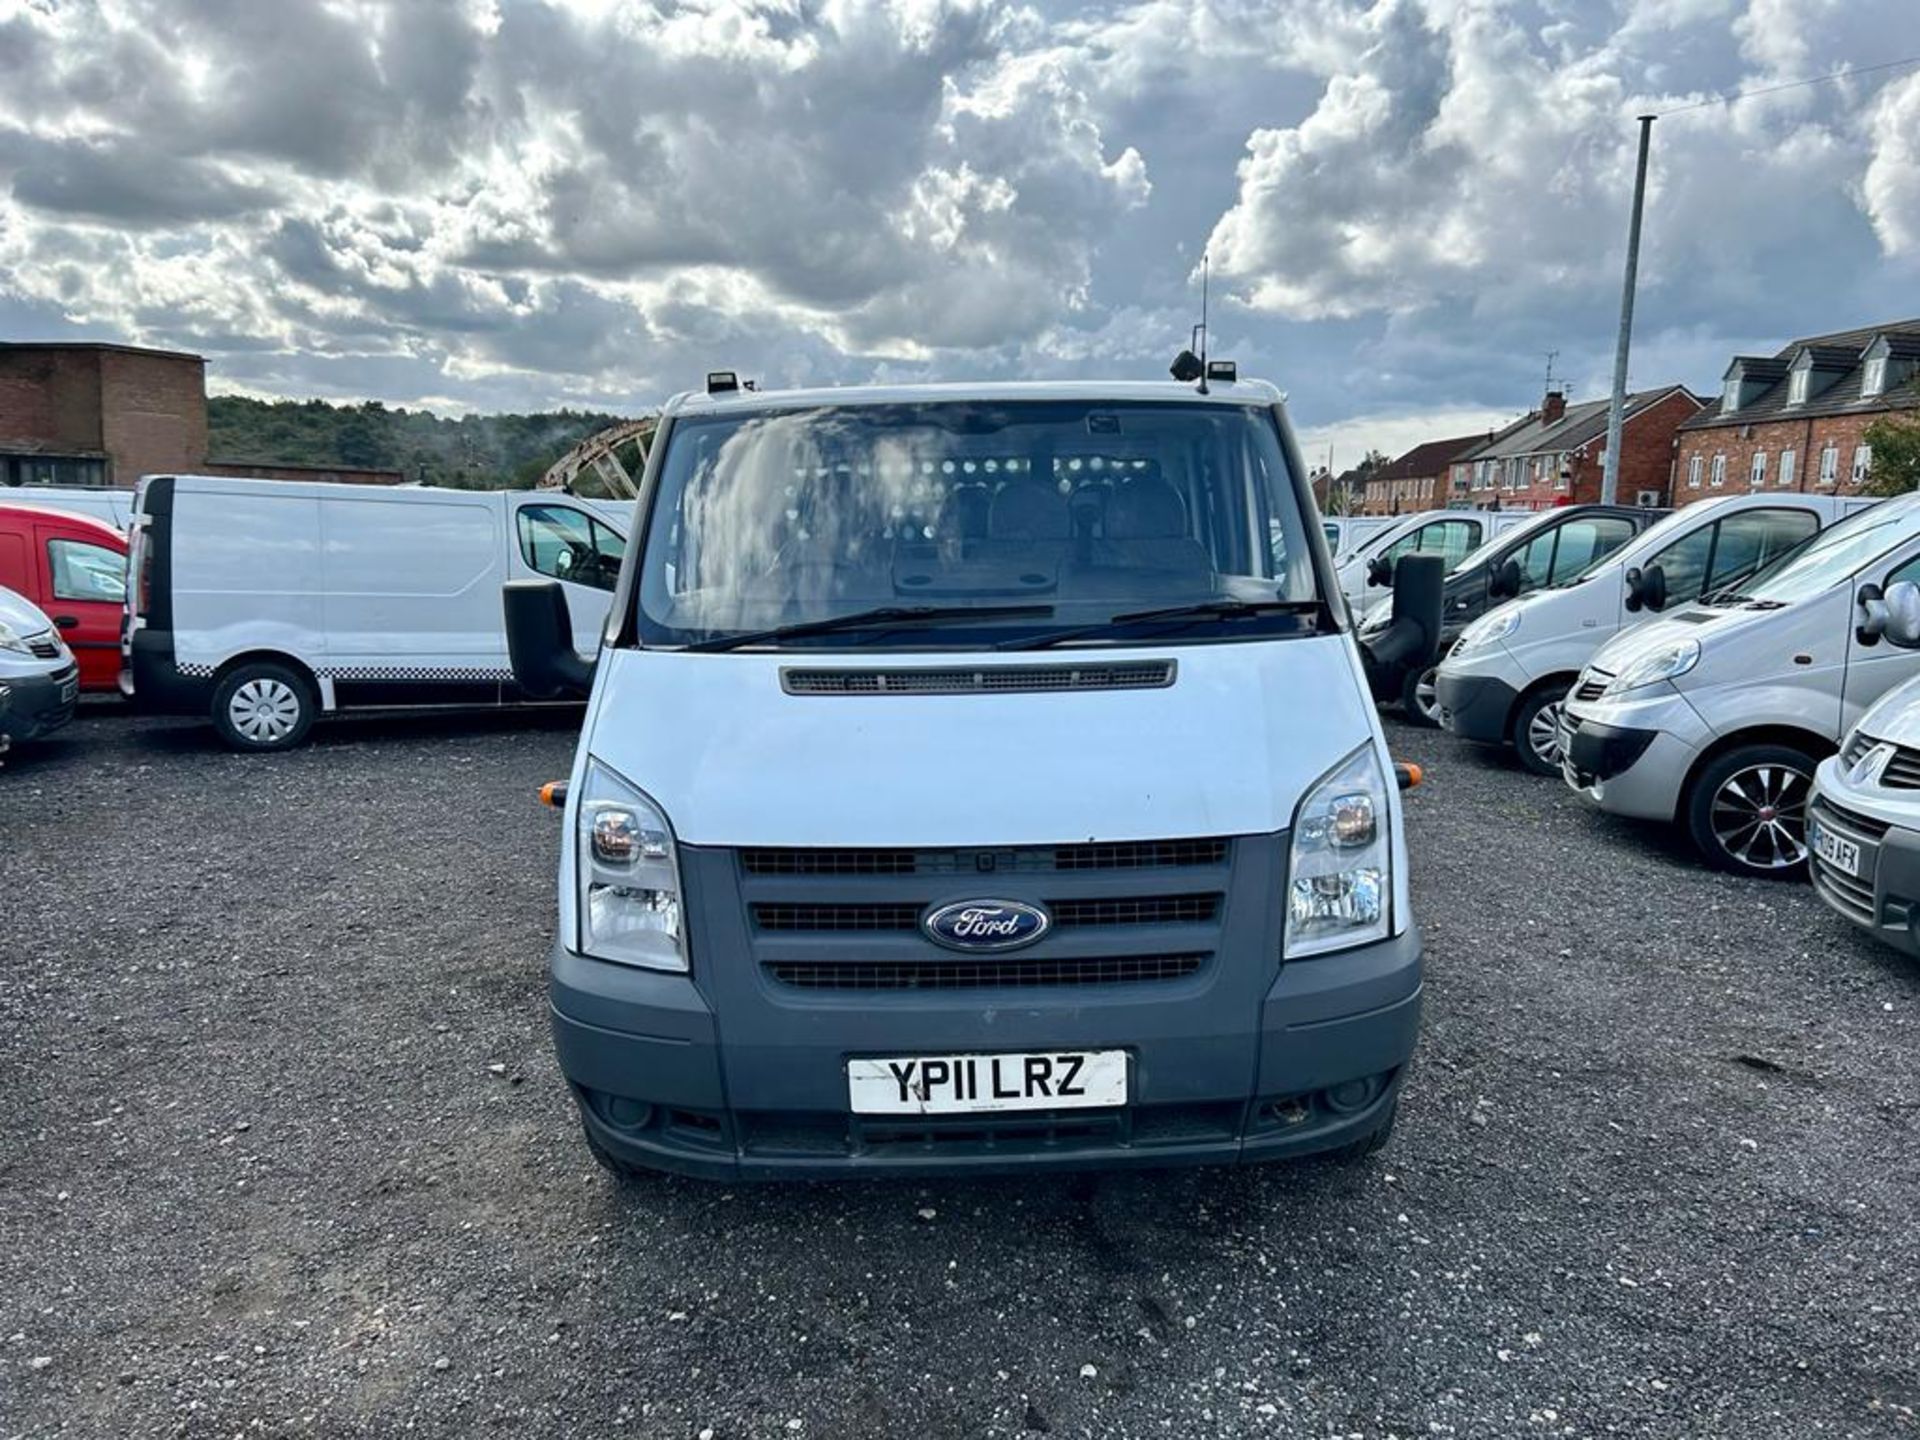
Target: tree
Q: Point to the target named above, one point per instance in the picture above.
(1896, 456)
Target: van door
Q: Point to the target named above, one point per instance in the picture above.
(1718, 555)
(86, 596)
(1452, 538)
(562, 542)
(1875, 668)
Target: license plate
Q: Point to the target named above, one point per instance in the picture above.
(965, 1084)
(1842, 854)
(69, 692)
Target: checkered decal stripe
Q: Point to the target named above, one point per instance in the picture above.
(196, 671)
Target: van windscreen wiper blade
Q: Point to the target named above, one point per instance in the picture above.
(1198, 610)
(886, 616)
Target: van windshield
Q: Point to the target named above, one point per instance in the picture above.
(864, 525)
(1836, 554)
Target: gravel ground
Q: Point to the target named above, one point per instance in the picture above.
(284, 1152)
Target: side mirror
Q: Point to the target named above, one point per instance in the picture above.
(1379, 570)
(1504, 582)
(1635, 591)
(1893, 616)
(1653, 588)
(540, 641)
(1412, 636)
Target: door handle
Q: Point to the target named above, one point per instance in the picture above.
(66, 622)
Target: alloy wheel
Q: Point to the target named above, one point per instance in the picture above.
(1759, 816)
(1426, 696)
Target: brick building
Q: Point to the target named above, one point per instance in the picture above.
(1556, 455)
(99, 414)
(1416, 480)
(1797, 419)
(87, 414)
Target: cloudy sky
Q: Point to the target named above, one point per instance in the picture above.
(518, 204)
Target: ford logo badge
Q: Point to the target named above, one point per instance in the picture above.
(986, 924)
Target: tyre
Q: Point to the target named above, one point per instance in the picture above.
(1536, 730)
(1371, 1143)
(1747, 810)
(263, 706)
(1418, 700)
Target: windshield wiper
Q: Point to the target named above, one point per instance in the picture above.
(1199, 610)
(885, 616)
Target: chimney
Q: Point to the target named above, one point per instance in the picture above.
(1553, 407)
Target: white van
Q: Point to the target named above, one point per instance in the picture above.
(1716, 716)
(263, 603)
(1366, 569)
(1505, 678)
(115, 507)
(977, 777)
(1346, 531)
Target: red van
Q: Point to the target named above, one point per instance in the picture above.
(74, 568)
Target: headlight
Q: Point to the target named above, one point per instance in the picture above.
(1487, 630)
(1340, 866)
(11, 639)
(628, 879)
(1666, 663)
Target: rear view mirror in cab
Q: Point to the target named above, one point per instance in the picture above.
(1646, 589)
(1504, 582)
(540, 641)
(1893, 616)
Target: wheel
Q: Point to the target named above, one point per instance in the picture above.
(1371, 1143)
(1418, 699)
(263, 706)
(622, 1172)
(1747, 810)
(1536, 730)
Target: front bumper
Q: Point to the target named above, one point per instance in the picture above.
(1475, 707)
(658, 1085)
(1631, 759)
(1883, 897)
(37, 705)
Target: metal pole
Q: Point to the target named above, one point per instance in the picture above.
(1616, 413)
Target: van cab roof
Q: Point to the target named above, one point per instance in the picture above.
(1221, 392)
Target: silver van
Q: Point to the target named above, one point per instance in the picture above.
(1504, 679)
(1717, 715)
(1863, 822)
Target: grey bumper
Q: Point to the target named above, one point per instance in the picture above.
(37, 705)
(1884, 897)
(1475, 707)
(659, 1083)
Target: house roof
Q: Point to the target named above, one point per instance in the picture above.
(1431, 458)
(1843, 350)
(1580, 423)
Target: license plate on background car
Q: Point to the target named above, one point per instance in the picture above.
(1843, 855)
(965, 1084)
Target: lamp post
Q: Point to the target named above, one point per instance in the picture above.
(1616, 412)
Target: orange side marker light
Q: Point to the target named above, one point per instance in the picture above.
(1408, 774)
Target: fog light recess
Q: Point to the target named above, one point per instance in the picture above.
(1350, 1096)
(627, 1113)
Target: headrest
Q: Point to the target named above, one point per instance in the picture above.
(1146, 509)
(1028, 509)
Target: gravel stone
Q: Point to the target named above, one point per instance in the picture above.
(245, 1000)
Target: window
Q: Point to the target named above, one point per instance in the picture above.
(1717, 555)
(1451, 540)
(1730, 395)
(1862, 463)
(1563, 474)
(1874, 378)
(1694, 467)
(1829, 463)
(1576, 545)
(1785, 478)
(87, 572)
(1719, 471)
(1757, 469)
(570, 545)
(1797, 384)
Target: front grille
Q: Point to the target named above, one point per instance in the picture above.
(1023, 859)
(836, 917)
(1122, 910)
(47, 649)
(1903, 770)
(1856, 746)
(983, 974)
(1852, 897)
(980, 680)
(1592, 686)
(1855, 825)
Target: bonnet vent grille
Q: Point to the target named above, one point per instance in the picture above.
(980, 680)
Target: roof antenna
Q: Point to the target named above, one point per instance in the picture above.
(1188, 365)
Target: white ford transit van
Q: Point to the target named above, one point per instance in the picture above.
(976, 777)
(1504, 679)
(261, 604)
(1716, 715)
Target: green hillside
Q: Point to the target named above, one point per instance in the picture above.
(478, 452)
